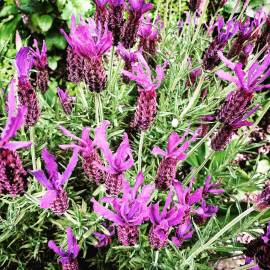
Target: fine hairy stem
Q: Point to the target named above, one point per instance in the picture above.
(33, 152)
(208, 244)
(140, 151)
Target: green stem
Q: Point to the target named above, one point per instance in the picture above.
(218, 235)
(33, 152)
(97, 108)
(100, 108)
(83, 98)
(140, 151)
(195, 171)
(111, 64)
(156, 258)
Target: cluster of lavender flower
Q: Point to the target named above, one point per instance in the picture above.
(88, 42)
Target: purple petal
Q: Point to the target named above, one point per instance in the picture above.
(24, 61)
(69, 134)
(55, 248)
(106, 213)
(70, 167)
(158, 151)
(154, 213)
(73, 247)
(17, 145)
(50, 163)
(48, 198)
(42, 179)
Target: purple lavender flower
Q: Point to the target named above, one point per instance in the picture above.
(262, 200)
(167, 167)
(149, 36)
(209, 188)
(56, 197)
(12, 174)
(67, 258)
(66, 100)
(26, 93)
(136, 9)
(196, 6)
(247, 82)
(183, 232)
(90, 42)
(193, 76)
(101, 14)
(129, 58)
(104, 239)
(162, 221)
(205, 212)
(249, 260)
(245, 54)
(225, 133)
(264, 36)
(146, 106)
(116, 19)
(224, 33)
(118, 163)
(41, 63)
(90, 156)
(266, 236)
(187, 198)
(130, 211)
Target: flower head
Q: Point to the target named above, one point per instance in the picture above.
(24, 62)
(104, 239)
(209, 188)
(88, 39)
(205, 211)
(15, 121)
(122, 159)
(225, 31)
(40, 56)
(116, 3)
(183, 232)
(126, 54)
(72, 249)
(55, 180)
(172, 150)
(66, 100)
(266, 236)
(142, 75)
(149, 30)
(138, 7)
(248, 81)
(171, 215)
(85, 143)
(132, 208)
(185, 196)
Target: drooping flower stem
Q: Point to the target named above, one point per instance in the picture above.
(140, 150)
(195, 171)
(33, 151)
(217, 236)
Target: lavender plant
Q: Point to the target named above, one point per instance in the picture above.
(195, 223)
